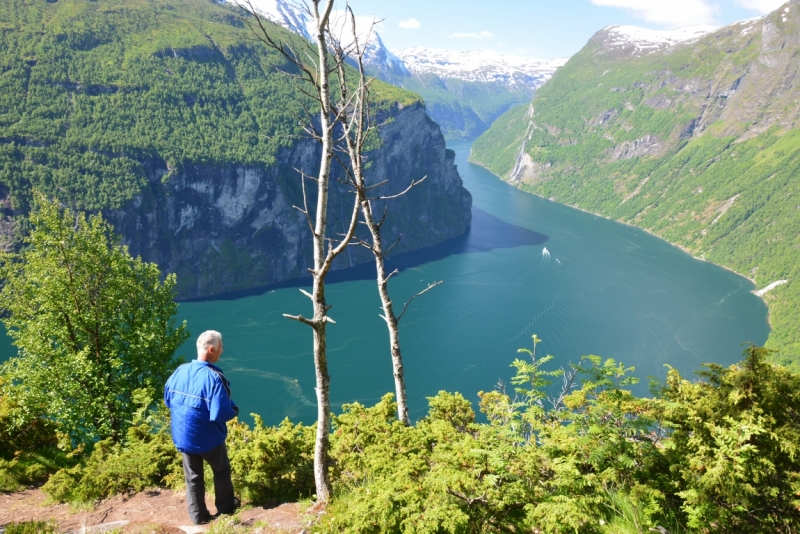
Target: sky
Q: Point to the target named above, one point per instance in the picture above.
(544, 29)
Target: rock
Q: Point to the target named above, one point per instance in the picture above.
(225, 228)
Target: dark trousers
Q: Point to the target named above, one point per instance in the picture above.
(196, 488)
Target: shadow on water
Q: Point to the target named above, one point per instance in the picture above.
(487, 233)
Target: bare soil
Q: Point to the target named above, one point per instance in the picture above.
(153, 511)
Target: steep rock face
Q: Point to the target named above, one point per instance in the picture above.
(458, 121)
(168, 118)
(230, 227)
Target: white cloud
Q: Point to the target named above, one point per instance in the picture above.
(410, 24)
(472, 35)
(762, 6)
(672, 14)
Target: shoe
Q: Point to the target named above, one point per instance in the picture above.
(236, 504)
(207, 519)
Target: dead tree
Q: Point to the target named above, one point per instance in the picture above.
(358, 125)
(345, 122)
(314, 71)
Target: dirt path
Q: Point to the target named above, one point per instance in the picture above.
(157, 510)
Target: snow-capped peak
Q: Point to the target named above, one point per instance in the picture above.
(469, 66)
(481, 66)
(293, 17)
(646, 41)
(282, 13)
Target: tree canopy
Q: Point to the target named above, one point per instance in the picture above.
(92, 324)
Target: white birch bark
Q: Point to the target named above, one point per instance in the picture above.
(317, 77)
(357, 128)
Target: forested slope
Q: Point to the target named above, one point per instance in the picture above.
(158, 111)
(465, 109)
(698, 143)
(89, 89)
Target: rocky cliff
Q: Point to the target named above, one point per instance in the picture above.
(166, 116)
(230, 227)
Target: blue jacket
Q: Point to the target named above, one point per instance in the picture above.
(199, 397)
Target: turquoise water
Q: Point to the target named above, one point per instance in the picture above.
(599, 288)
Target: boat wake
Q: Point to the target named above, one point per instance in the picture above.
(292, 385)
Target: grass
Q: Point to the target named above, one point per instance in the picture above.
(32, 527)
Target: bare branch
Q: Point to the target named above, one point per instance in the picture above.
(412, 185)
(379, 224)
(305, 200)
(388, 250)
(405, 306)
(569, 384)
(306, 293)
(300, 319)
(362, 243)
(376, 185)
(348, 170)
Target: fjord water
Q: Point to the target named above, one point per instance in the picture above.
(584, 284)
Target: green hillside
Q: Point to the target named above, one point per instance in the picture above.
(91, 92)
(463, 109)
(698, 143)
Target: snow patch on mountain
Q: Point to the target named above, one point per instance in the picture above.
(293, 17)
(645, 41)
(479, 66)
(282, 13)
(475, 66)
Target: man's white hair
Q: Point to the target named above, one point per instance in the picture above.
(207, 339)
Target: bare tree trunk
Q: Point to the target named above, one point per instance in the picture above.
(321, 479)
(388, 311)
(392, 319)
(329, 116)
(351, 113)
(321, 444)
(358, 125)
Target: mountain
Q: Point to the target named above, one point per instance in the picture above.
(480, 66)
(169, 118)
(695, 139)
(464, 92)
(637, 41)
(285, 14)
(292, 16)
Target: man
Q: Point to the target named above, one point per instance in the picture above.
(199, 398)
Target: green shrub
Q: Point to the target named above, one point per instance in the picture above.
(22, 430)
(736, 445)
(28, 446)
(31, 468)
(32, 527)
(146, 458)
(271, 463)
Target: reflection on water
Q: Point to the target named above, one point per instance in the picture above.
(487, 233)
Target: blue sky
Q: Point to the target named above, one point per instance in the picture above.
(543, 29)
